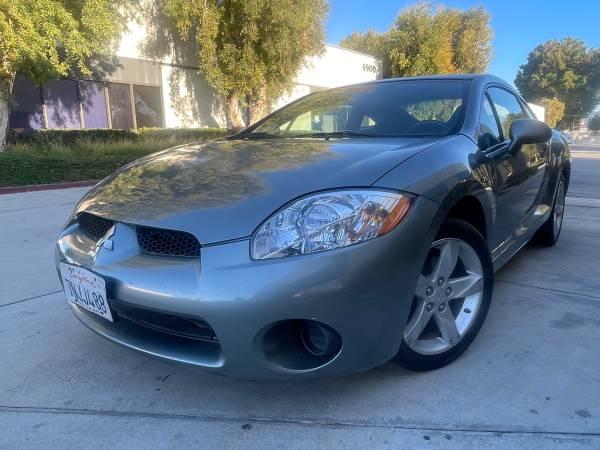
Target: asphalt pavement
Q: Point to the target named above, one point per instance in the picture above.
(532, 377)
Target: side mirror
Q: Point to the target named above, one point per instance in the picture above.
(528, 131)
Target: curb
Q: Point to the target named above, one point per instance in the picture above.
(45, 187)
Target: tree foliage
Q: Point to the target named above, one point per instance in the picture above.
(428, 40)
(250, 48)
(555, 110)
(51, 38)
(566, 70)
(594, 123)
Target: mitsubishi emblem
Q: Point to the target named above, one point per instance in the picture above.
(105, 241)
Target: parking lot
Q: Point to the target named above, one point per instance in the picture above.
(532, 378)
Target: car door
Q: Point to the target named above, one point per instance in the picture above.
(517, 175)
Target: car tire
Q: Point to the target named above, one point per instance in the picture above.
(549, 232)
(428, 352)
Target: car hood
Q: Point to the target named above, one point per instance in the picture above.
(223, 190)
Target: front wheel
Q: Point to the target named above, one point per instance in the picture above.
(452, 298)
(549, 232)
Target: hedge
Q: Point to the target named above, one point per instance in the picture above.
(101, 135)
(187, 134)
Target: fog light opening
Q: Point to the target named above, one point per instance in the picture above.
(299, 344)
(319, 340)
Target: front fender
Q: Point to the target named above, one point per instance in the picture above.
(446, 173)
(560, 159)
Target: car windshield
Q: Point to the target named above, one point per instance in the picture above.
(413, 108)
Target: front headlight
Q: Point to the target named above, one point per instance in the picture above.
(329, 220)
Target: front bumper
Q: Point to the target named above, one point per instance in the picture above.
(363, 292)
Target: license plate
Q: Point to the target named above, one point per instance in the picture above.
(86, 289)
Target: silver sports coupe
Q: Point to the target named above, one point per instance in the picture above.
(352, 226)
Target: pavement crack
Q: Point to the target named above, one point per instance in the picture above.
(35, 297)
(558, 291)
(308, 422)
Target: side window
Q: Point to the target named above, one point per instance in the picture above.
(529, 114)
(489, 133)
(508, 108)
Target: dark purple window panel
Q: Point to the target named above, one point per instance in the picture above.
(93, 103)
(62, 104)
(26, 111)
(120, 106)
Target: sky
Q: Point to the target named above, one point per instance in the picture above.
(519, 26)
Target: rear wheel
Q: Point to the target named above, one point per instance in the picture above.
(452, 298)
(549, 232)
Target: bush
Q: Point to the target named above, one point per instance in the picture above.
(594, 124)
(182, 134)
(51, 156)
(23, 164)
(72, 138)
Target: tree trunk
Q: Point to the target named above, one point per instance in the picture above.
(6, 86)
(233, 113)
(258, 105)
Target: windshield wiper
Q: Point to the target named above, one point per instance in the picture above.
(318, 134)
(336, 134)
(261, 135)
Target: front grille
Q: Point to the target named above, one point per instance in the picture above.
(165, 323)
(167, 242)
(94, 227)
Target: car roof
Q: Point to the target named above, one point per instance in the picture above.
(481, 78)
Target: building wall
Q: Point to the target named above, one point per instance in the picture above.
(539, 111)
(187, 99)
(190, 102)
(339, 67)
(335, 67)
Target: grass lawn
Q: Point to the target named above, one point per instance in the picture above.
(23, 164)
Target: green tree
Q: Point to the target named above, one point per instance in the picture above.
(566, 70)
(52, 38)
(250, 49)
(428, 40)
(555, 110)
(471, 39)
(594, 123)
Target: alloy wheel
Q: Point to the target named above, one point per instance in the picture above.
(559, 208)
(447, 299)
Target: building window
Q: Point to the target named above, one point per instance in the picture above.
(62, 104)
(77, 104)
(26, 111)
(148, 106)
(120, 106)
(93, 104)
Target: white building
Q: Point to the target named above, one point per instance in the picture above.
(336, 67)
(539, 111)
(157, 84)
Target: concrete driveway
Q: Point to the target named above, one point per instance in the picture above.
(532, 378)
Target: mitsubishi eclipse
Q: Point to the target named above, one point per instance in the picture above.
(353, 226)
